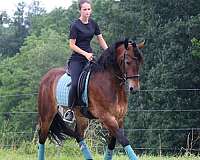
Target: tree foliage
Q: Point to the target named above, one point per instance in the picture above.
(20, 76)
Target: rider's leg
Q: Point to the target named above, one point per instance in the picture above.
(75, 70)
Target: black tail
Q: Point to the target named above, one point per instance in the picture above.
(59, 131)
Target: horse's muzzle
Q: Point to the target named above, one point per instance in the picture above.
(133, 86)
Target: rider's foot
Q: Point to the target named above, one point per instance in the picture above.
(69, 116)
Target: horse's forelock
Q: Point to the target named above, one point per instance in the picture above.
(138, 52)
(119, 43)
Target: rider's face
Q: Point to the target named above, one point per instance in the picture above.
(86, 10)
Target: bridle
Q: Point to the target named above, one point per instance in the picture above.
(135, 76)
(124, 76)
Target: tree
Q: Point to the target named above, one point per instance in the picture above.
(12, 36)
(196, 48)
(21, 74)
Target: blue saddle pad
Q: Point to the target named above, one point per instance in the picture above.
(62, 90)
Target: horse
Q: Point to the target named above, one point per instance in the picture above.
(116, 68)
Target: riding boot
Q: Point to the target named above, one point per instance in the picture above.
(81, 103)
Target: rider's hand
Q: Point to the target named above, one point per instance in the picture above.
(89, 56)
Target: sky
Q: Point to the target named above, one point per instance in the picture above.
(10, 5)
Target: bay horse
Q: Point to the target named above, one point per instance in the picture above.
(107, 99)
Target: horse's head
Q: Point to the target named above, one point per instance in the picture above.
(129, 58)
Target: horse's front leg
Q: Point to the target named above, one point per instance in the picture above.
(110, 148)
(122, 139)
(81, 125)
(111, 123)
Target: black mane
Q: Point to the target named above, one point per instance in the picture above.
(108, 58)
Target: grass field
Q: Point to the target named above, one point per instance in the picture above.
(18, 155)
(70, 151)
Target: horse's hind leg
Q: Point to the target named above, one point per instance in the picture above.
(47, 110)
(81, 125)
(111, 146)
(44, 124)
(43, 133)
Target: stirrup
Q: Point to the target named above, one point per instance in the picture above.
(73, 116)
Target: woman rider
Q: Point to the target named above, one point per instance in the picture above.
(82, 31)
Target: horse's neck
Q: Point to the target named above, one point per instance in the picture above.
(108, 87)
(116, 79)
(118, 86)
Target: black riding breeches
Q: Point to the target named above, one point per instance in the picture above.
(75, 68)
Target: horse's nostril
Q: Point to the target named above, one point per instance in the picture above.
(131, 89)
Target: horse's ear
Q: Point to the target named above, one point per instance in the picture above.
(141, 45)
(126, 43)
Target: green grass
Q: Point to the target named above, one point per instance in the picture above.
(18, 155)
(70, 151)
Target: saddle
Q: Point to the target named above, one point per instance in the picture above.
(82, 83)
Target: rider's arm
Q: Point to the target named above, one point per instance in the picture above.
(74, 47)
(102, 42)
